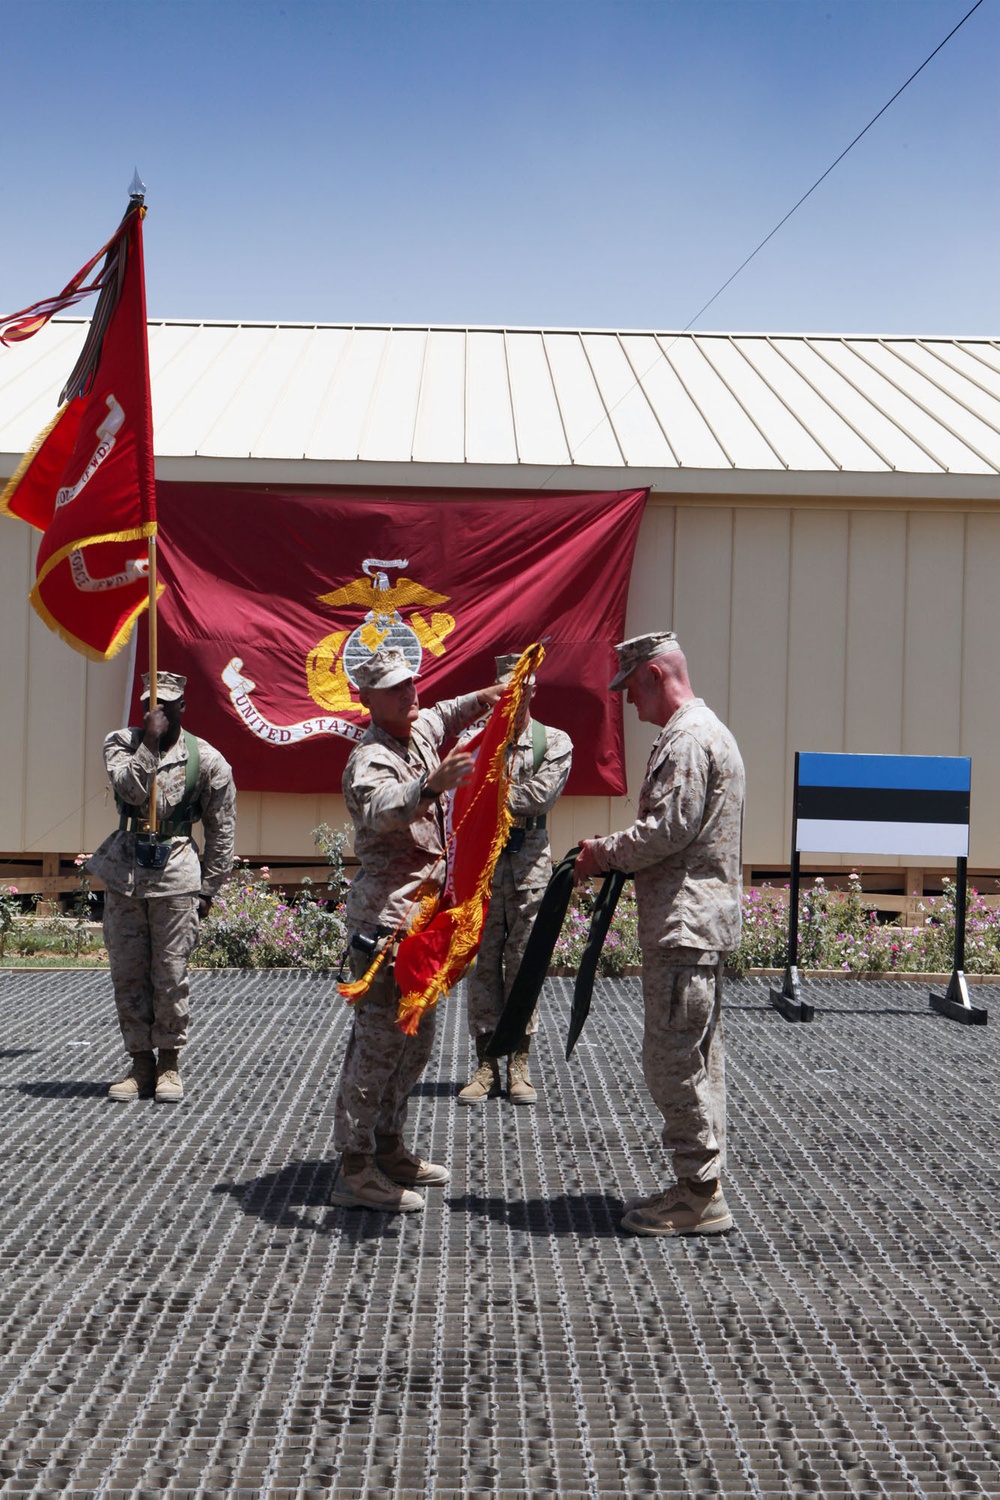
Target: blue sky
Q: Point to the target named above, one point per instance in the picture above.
(575, 163)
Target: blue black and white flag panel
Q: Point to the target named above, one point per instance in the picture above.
(883, 804)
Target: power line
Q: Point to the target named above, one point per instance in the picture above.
(829, 169)
(639, 379)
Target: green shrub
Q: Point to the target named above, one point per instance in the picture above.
(10, 910)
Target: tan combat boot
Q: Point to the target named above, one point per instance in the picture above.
(400, 1165)
(169, 1089)
(485, 1081)
(689, 1208)
(631, 1204)
(519, 1085)
(139, 1081)
(359, 1183)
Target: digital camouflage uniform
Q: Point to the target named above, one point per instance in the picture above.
(685, 851)
(519, 881)
(400, 843)
(151, 916)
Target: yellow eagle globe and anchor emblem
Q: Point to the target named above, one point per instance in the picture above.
(330, 665)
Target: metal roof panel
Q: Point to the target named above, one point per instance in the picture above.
(31, 378)
(509, 399)
(889, 443)
(591, 437)
(392, 413)
(888, 385)
(748, 367)
(248, 380)
(340, 422)
(307, 364)
(960, 407)
(489, 417)
(636, 428)
(439, 431)
(691, 439)
(810, 404)
(189, 369)
(694, 360)
(537, 418)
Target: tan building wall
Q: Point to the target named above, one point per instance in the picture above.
(809, 625)
(818, 626)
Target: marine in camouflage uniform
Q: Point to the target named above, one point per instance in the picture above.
(393, 786)
(519, 881)
(685, 852)
(151, 915)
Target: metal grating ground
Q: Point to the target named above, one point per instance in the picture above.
(181, 1312)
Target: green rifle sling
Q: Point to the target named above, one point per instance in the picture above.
(539, 744)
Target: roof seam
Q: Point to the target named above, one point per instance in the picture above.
(838, 414)
(908, 396)
(743, 333)
(793, 414)
(607, 409)
(640, 382)
(697, 406)
(959, 374)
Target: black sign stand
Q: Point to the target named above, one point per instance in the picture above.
(955, 1002)
(788, 1000)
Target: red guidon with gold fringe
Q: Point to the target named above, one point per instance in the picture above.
(87, 483)
(439, 944)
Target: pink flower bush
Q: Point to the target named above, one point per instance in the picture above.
(837, 930)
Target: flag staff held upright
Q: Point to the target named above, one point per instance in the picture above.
(147, 478)
(152, 821)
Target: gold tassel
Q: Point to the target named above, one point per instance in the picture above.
(355, 988)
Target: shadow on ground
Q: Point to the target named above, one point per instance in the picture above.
(64, 1088)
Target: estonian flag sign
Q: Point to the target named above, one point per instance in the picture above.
(882, 804)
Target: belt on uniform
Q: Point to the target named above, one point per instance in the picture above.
(518, 828)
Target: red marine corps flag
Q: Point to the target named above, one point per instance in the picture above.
(87, 484)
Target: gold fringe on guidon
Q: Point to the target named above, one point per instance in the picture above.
(26, 462)
(137, 533)
(466, 935)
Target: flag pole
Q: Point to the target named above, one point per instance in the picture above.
(152, 820)
(147, 482)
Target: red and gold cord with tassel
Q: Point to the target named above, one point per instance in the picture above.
(421, 912)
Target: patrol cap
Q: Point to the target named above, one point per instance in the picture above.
(169, 687)
(506, 665)
(385, 668)
(640, 648)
